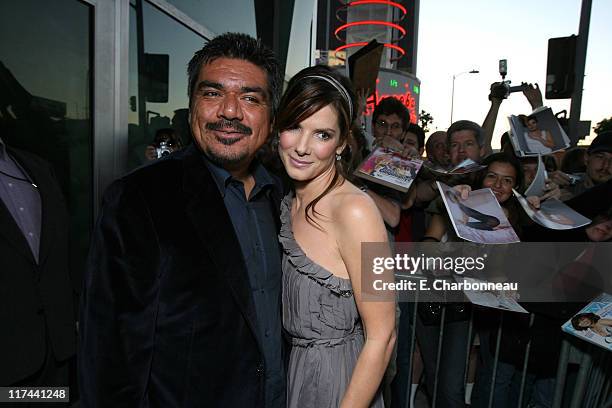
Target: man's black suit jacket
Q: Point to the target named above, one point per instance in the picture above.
(36, 300)
(167, 316)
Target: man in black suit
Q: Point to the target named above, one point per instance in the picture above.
(36, 297)
(181, 301)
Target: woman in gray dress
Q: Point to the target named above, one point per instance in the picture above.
(341, 344)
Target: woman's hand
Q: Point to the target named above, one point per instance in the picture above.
(533, 94)
(463, 190)
(150, 153)
(551, 190)
(560, 178)
(362, 100)
(534, 202)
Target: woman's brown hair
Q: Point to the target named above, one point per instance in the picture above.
(309, 91)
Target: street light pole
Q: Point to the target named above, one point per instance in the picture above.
(474, 71)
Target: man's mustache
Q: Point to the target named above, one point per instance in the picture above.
(233, 125)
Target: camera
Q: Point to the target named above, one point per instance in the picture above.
(163, 149)
(501, 90)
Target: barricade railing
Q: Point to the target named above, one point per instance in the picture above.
(590, 386)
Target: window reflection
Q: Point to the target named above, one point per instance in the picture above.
(233, 16)
(45, 82)
(157, 78)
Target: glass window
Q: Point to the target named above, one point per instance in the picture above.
(221, 16)
(45, 105)
(160, 49)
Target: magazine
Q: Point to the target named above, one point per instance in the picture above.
(495, 299)
(465, 167)
(479, 218)
(537, 134)
(386, 167)
(553, 214)
(536, 188)
(594, 322)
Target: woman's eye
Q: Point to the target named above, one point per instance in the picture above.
(322, 135)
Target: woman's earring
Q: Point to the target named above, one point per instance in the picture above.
(338, 157)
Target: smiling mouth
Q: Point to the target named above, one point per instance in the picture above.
(299, 163)
(231, 132)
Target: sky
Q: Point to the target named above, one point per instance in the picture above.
(457, 36)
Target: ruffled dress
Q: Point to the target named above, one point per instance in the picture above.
(320, 315)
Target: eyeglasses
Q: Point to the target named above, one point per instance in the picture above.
(381, 124)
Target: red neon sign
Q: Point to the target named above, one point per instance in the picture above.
(361, 44)
(370, 22)
(388, 3)
(407, 99)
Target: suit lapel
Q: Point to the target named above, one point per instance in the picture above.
(48, 204)
(10, 230)
(207, 212)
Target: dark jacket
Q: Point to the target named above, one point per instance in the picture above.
(167, 316)
(36, 300)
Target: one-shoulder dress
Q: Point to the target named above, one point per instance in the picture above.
(320, 315)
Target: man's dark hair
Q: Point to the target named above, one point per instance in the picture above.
(418, 131)
(238, 46)
(574, 160)
(389, 106)
(466, 125)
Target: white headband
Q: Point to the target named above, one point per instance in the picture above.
(340, 89)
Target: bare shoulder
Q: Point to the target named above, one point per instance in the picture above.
(352, 207)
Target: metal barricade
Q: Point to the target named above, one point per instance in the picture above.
(591, 385)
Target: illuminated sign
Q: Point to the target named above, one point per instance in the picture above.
(397, 84)
(383, 25)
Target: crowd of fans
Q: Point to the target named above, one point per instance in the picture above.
(581, 177)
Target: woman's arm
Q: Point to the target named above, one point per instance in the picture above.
(599, 329)
(359, 221)
(605, 322)
(388, 208)
(436, 228)
(542, 136)
(547, 139)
